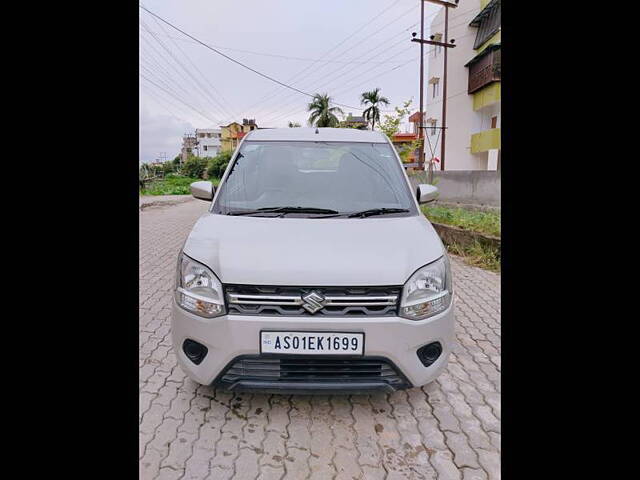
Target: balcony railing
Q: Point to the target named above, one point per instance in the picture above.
(484, 71)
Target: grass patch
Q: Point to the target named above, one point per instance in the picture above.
(475, 221)
(172, 185)
(477, 255)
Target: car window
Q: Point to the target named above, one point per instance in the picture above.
(345, 177)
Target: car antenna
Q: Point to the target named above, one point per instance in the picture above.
(317, 131)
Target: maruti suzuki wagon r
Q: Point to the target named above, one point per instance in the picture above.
(313, 270)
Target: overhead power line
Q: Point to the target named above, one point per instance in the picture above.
(161, 72)
(454, 17)
(286, 95)
(192, 80)
(352, 86)
(177, 98)
(275, 117)
(151, 61)
(342, 42)
(156, 95)
(337, 77)
(161, 101)
(299, 110)
(233, 59)
(330, 76)
(275, 55)
(222, 102)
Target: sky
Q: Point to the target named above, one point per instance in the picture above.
(338, 47)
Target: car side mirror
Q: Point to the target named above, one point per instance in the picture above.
(202, 190)
(426, 193)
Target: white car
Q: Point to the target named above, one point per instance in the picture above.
(313, 271)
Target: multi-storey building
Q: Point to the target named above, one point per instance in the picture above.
(209, 144)
(189, 144)
(473, 87)
(232, 134)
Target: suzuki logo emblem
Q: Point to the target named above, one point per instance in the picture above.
(313, 301)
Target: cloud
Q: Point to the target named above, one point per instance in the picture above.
(161, 133)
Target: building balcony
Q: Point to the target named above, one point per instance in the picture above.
(485, 140)
(486, 96)
(484, 68)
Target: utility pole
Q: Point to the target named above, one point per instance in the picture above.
(446, 44)
(420, 124)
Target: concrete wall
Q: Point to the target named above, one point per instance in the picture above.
(475, 187)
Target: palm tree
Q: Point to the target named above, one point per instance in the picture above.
(373, 99)
(322, 115)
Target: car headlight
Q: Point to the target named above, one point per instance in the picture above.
(428, 291)
(198, 290)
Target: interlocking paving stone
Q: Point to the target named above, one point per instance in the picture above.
(449, 429)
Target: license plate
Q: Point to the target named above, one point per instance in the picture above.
(312, 343)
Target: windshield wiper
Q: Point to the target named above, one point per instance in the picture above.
(285, 210)
(377, 211)
(297, 209)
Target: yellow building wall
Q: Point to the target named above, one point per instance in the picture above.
(228, 139)
(486, 96)
(227, 143)
(485, 140)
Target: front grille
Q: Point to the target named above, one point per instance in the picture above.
(309, 370)
(289, 301)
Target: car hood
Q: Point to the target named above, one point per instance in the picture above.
(313, 252)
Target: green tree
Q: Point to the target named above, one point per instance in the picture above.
(405, 151)
(195, 167)
(322, 114)
(391, 123)
(372, 100)
(218, 164)
(169, 167)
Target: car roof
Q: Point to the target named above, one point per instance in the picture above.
(310, 135)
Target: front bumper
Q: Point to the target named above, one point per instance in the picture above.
(232, 336)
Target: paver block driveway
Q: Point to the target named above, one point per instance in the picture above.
(449, 429)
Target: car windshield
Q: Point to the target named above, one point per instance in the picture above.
(277, 178)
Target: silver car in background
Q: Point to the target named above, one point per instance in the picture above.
(313, 271)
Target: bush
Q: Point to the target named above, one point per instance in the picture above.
(194, 167)
(218, 164)
(169, 167)
(153, 169)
